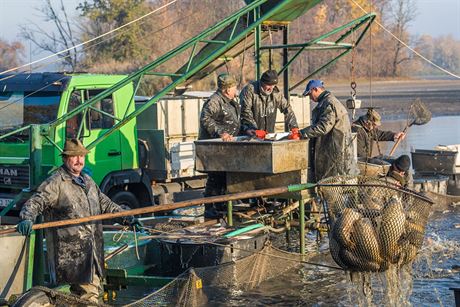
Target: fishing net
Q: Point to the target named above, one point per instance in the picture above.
(197, 286)
(373, 223)
(419, 113)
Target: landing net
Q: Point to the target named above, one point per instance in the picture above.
(373, 223)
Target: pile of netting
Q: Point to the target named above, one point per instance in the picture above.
(197, 286)
(373, 223)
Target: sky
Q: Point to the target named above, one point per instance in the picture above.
(434, 17)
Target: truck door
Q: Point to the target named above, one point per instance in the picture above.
(106, 156)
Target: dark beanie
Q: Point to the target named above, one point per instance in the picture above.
(402, 163)
(270, 77)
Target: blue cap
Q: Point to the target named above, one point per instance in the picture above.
(312, 84)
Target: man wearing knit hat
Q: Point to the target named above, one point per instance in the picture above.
(259, 103)
(399, 173)
(366, 128)
(75, 253)
(220, 118)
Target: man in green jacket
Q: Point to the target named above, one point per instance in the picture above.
(330, 131)
(366, 129)
(220, 118)
(75, 253)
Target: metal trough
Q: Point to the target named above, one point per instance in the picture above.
(263, 157)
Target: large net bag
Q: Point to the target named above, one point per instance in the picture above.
(373, 223)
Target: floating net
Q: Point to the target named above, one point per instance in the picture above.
(373, 223)
(197, 286)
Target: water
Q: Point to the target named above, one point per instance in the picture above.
(444, 130)
(436, 269)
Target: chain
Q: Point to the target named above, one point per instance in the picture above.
(352, 73)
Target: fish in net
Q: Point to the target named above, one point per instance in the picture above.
(373, 223)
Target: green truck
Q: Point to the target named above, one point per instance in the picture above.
(123, 159)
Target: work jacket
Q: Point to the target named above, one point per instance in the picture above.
(331, 134)
(366, 138)
(73, 251)
(258, 111)
(219, 115)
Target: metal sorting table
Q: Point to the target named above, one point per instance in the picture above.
(255, 164)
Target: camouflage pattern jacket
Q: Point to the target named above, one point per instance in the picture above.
(219, 115)
(331, 133)
(73, 251)
(258, 111)
(366, 138)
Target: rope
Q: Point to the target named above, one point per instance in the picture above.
(90, 40)
(407, 46)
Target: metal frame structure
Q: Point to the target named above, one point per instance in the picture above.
(220, 39)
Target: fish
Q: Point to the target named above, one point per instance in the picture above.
(408, 253)
(334, 249)
(356, 263)
(414, 233)
(391, 228)
(364, 237)
(343, 226)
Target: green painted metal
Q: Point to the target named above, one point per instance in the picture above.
(243, 230)
(30, 262)
(230, 213)
(300, 187)
(302, 226)
(352, 27)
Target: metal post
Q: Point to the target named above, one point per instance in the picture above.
(285, 61)
(302, 226)
(35, 175)
(257, 38)
(230, 213)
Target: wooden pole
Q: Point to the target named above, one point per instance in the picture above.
(169, 207)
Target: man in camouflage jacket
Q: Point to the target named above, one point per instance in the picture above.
(259, 103)
(330, 131)
(75, 253)
(366, 129)
(220, 118)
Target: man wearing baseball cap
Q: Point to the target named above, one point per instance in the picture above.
(330, 133)
(259, 103)
(366, 129)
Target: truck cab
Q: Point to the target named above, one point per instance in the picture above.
(41, 98)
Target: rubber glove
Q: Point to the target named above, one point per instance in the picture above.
(138, 226)
(25, 227)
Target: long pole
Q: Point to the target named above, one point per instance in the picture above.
(172, 206)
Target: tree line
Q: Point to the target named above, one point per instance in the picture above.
(379, 55)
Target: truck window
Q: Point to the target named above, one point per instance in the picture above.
(73, 123)
(23, 108)
(100, 120)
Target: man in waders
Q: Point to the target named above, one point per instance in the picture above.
(220, 118)
(366, 129)
(75, 253)
(330, 134)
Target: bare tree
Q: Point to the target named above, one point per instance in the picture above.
(403, 12)
(10, 54)
(65, 37)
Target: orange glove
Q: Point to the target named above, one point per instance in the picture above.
(295, 134)
(260, 134)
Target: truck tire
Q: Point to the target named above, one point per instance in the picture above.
(125, 198)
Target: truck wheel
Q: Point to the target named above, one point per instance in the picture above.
(125, 198)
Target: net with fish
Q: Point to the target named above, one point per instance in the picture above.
(373, 223)
(197, 286)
